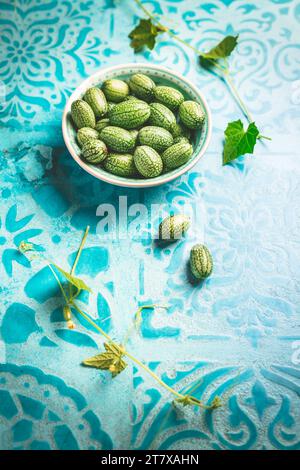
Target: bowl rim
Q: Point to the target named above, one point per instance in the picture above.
(139, 183)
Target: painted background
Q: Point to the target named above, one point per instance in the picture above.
(239, 331)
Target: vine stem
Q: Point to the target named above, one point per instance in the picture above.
(126, 353)
(70, 302)
(224, 70)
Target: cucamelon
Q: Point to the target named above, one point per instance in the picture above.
(129, 114)
(115, 90)
(101, 124)
(85, 134)
(178, 130)
(173, 227)
(82, 114)
(121, 164)
(201, 262)
(168, 96)
(94, 151)
(147, 161)
(117, 139)
(191, 114)
(142, 86)
(134, 133)
(177, 154)
(161, 116)
(181, 139)
(97, 101)
(156, 137)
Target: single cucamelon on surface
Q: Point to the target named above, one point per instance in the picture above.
(147, 161)
(191, 114)
(82, 114)
(101, 124)
(168, 96)
(156, 137)
(97, 101)
(173, 227)
(85, 134)
(201, 262)
(142, 86)
(115, 90)
(121, 164)
(94, 151)
(177, 155)
(129, 114)
(161, 116)
(117, 139)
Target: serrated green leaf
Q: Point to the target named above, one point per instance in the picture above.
(110, 360)
(238, 141)
(75, 281)
(222, 50)
(144, 35)
(100, 361)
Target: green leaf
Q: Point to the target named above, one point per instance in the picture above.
(238, 141)
(76, 281)
(110, 360)
(144, 35)
(223, 49)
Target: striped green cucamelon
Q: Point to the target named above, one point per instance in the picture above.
(147, 161)
(117, 139)
(85, 134)
(161, 116)
(168, 96)
(121, 164)
(173, 227)
(201, 262)
(181, 139)
(115, 90)
(142, 86)
(191, 114)
(94, 151)
(129, 114)
(134, 133)
(82, 114)
(110, 106)
(178, 130)
(97, 101)
(177, 155)
(156, 137)
(101, 124)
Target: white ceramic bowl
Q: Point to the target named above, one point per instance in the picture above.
(161, 75)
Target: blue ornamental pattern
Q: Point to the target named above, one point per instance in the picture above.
(237, 335)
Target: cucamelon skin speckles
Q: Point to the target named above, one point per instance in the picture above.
(191, 114)
(97, 101)
(142, 86)
(82, 114)
(156, 137)
(115, 90)
(85, 134)
(147, 161)
(94, 151)
(201, 262)
(172, 228)
(101, 124)
(129, 114)
(168, 96)
(161, 116)
(177, 155)
(117, 139)
(121, 164)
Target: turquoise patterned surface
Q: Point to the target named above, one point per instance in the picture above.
(239, 332)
